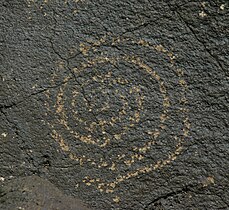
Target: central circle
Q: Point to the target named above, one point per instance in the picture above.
(107, 99)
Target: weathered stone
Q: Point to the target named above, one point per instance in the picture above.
(123, 104)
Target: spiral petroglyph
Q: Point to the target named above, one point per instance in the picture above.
(116, 103)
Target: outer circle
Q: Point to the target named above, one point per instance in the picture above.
(109, 186)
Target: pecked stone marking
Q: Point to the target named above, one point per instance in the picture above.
(95, 124)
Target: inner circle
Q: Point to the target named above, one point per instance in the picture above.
(93, 119)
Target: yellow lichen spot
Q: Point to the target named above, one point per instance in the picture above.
(112, 185)
(150, 132)
(202, 14)
(100, 186)
(112, 167)
(163, 117)
(143, 150)
(140, 157)
(116, 199)
(134, 174)
(160, 48)
(118, 136)
(162, 87)
(222, 6)
(75, 11)
(128, 162)
(81, 161)
(121, 156)
(180, 72)
(187, 124)
(122, 81)
(60, 64)
(4, 134)
(157, 77)
(143, 43)
(119, 179)
(183, 100)
(106, 142)
(166, 102)
(148, 169)
(122, 112)
(209, 180)
(162, 126)
(84, 49)
(88, 184)
(60, 140)
(203, 4)
(182, 82)
(73, 157)
(171, 56)
(109, 191)
(156, 133)
(104, 164)
(137, 116)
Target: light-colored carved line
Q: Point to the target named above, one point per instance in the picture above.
(89, 140)
(109, 187)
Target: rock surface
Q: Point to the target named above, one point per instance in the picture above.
(122, 104)
(34, 192)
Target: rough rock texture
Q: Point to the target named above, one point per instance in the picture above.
(35, 193)
(123, 104)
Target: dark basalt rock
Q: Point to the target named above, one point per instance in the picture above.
(121, 103)
(34, 192)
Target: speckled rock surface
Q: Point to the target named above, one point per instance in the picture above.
(33, 192)
(122, 104)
